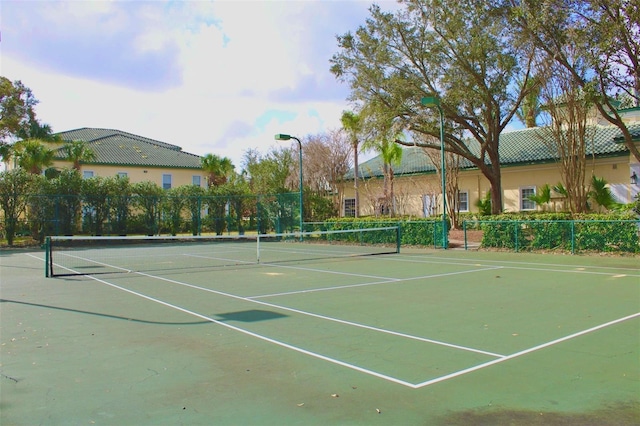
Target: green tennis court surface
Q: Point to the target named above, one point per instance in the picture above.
(417, 338)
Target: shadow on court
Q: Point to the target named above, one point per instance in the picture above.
(251, 315)
(98, 314)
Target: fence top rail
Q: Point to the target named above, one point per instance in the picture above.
(555, 221)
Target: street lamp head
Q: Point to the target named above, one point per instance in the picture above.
(430, 101)
(282, 137)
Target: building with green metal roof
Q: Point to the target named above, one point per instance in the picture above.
(527, 161)
(137, 157)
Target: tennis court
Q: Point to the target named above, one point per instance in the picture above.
(420, 337)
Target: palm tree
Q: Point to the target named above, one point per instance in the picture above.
(352, 124)
(218, 169)
(78, 152)
(542, 197)
(35, 130)
(391, 154)
(33, 156)
(530, 108)
(601, 193)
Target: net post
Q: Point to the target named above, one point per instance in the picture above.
(47, 257)
(398, 236)
(258, 248)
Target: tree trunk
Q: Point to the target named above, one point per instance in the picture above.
(355, 179)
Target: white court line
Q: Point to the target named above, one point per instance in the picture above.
(524, 352)
(311, 314)
(277, 265)
(479, 263)
(501, 358)
(533, 263)
(258, 336)
(95, 262)
(394, 280)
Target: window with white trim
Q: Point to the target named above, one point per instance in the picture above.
(196, 179)
(525, 203)
(166, 181)
(86, 174)
(350, 207)
(122, 174)
(463, 201)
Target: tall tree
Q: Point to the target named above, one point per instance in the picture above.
(16, 108)
(596, 41)
(567, 133)
(16, 112)
(352, 124)
(218, 169)
(78, 152)
(461, 52)
(326, 160)
(268, 174)
(14, 188)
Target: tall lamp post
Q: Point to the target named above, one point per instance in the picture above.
(283, 137)
(430, 102)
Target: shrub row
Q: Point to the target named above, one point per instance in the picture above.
(558, 231)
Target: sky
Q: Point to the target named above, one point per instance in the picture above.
(218, 77)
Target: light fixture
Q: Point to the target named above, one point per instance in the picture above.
(285, 137)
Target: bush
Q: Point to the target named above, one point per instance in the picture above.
(617, 232)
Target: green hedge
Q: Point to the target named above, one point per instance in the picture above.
(518, 232)
(559, 231)
(415, 232)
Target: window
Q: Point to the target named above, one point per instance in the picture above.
(195, 180)
(166, 181)
(525, 202)
(383, 207)
(463, 201)
(350, 207)
(429, 205)
(122, 174)
(86, 174)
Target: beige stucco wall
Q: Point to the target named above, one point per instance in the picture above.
(179, 177)
(409, 190)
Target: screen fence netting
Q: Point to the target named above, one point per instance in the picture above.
(90, 255)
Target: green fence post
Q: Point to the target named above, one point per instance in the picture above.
(516, 235)
(464, 229)
(573, 237)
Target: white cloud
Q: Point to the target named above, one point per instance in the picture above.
(216, 77)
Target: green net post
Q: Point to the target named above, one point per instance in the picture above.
(47, 257)
(398, 237)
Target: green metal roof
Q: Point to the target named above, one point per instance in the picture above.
(518, 147)
(117, 147)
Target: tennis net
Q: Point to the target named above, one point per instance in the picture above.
(84, 255)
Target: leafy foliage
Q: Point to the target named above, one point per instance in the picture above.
(13, 184)
(460, 52)
(561, 231)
